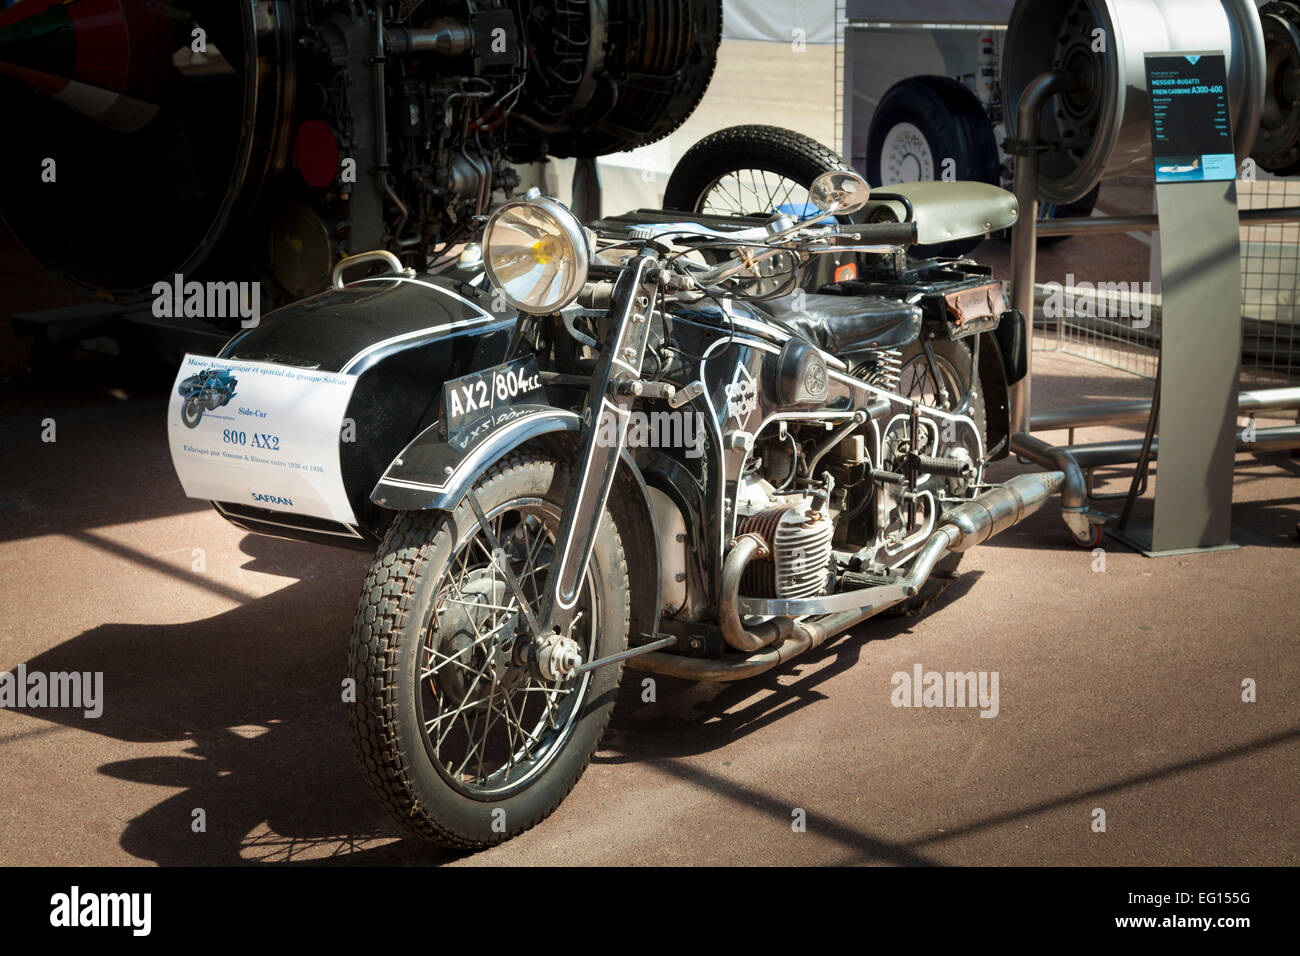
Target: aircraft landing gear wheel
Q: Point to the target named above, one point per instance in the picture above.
(922, 124)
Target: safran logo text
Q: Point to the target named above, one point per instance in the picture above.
(74, 909)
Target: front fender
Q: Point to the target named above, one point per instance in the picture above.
(434, 473)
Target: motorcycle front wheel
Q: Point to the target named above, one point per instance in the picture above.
(462, 742)
(191, 413)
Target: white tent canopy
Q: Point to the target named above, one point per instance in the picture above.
(777, 20)
(930, 11)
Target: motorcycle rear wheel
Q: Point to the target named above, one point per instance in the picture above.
(463, 745)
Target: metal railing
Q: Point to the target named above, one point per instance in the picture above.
(1119, 326)
(1270, 273)
(837, 133)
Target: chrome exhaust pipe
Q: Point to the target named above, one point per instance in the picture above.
(1074, 496)
(968, 525)
(743, 550)
(999, 508)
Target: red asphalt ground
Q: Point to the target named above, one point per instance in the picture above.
(1119, 690)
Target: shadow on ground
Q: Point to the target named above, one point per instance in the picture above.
(255, 696)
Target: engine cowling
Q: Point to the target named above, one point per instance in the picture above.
(266, 139)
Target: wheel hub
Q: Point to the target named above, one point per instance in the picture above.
(557, 657)
(906, 156)
(478, 639)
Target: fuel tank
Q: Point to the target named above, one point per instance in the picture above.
(402, 338)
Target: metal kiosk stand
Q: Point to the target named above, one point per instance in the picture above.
(1079, 80)
(1200, 265)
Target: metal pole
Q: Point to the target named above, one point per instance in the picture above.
(1024, 237)
(1135, 413)
(1024, 262)
(1284, 438)
(1108, 225)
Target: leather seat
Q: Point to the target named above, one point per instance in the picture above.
(845, 325)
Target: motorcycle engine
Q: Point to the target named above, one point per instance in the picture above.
(798, 536)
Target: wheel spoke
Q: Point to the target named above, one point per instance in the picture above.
(469, 736)
(789, 192)
(518, 721)
(482, 604)
(461, 709)
(493, 724)
(769, 202)
(487, 729)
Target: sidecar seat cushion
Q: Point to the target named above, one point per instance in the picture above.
(843, 325)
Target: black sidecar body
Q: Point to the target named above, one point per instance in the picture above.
(403, 338)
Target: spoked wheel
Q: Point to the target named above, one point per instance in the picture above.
(191, 413)
(491, 724)
(917, 378)
(751, 192)
(460, 733)
(749, 171)
(942, 385)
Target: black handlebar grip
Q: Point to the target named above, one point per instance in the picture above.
(885, 233)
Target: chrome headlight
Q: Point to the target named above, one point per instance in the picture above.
(535, 252)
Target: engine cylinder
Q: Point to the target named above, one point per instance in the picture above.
(800, 548)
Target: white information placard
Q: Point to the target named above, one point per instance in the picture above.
(260, 434)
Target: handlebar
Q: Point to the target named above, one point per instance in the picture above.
(853, 236)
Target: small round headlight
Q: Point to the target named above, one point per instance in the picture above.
(535, 252)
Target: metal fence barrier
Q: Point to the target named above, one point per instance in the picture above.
(1270, 276)
(1098, 322)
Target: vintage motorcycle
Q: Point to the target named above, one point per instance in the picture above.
(644, 443)
(208, 390)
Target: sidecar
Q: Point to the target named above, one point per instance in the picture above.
(205, 391)
(215, 386)
(401, 337)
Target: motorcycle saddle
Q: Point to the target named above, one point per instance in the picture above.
(845, 326)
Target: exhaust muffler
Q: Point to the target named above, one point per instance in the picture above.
(999, 508)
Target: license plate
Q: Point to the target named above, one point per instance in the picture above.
(471, 397)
